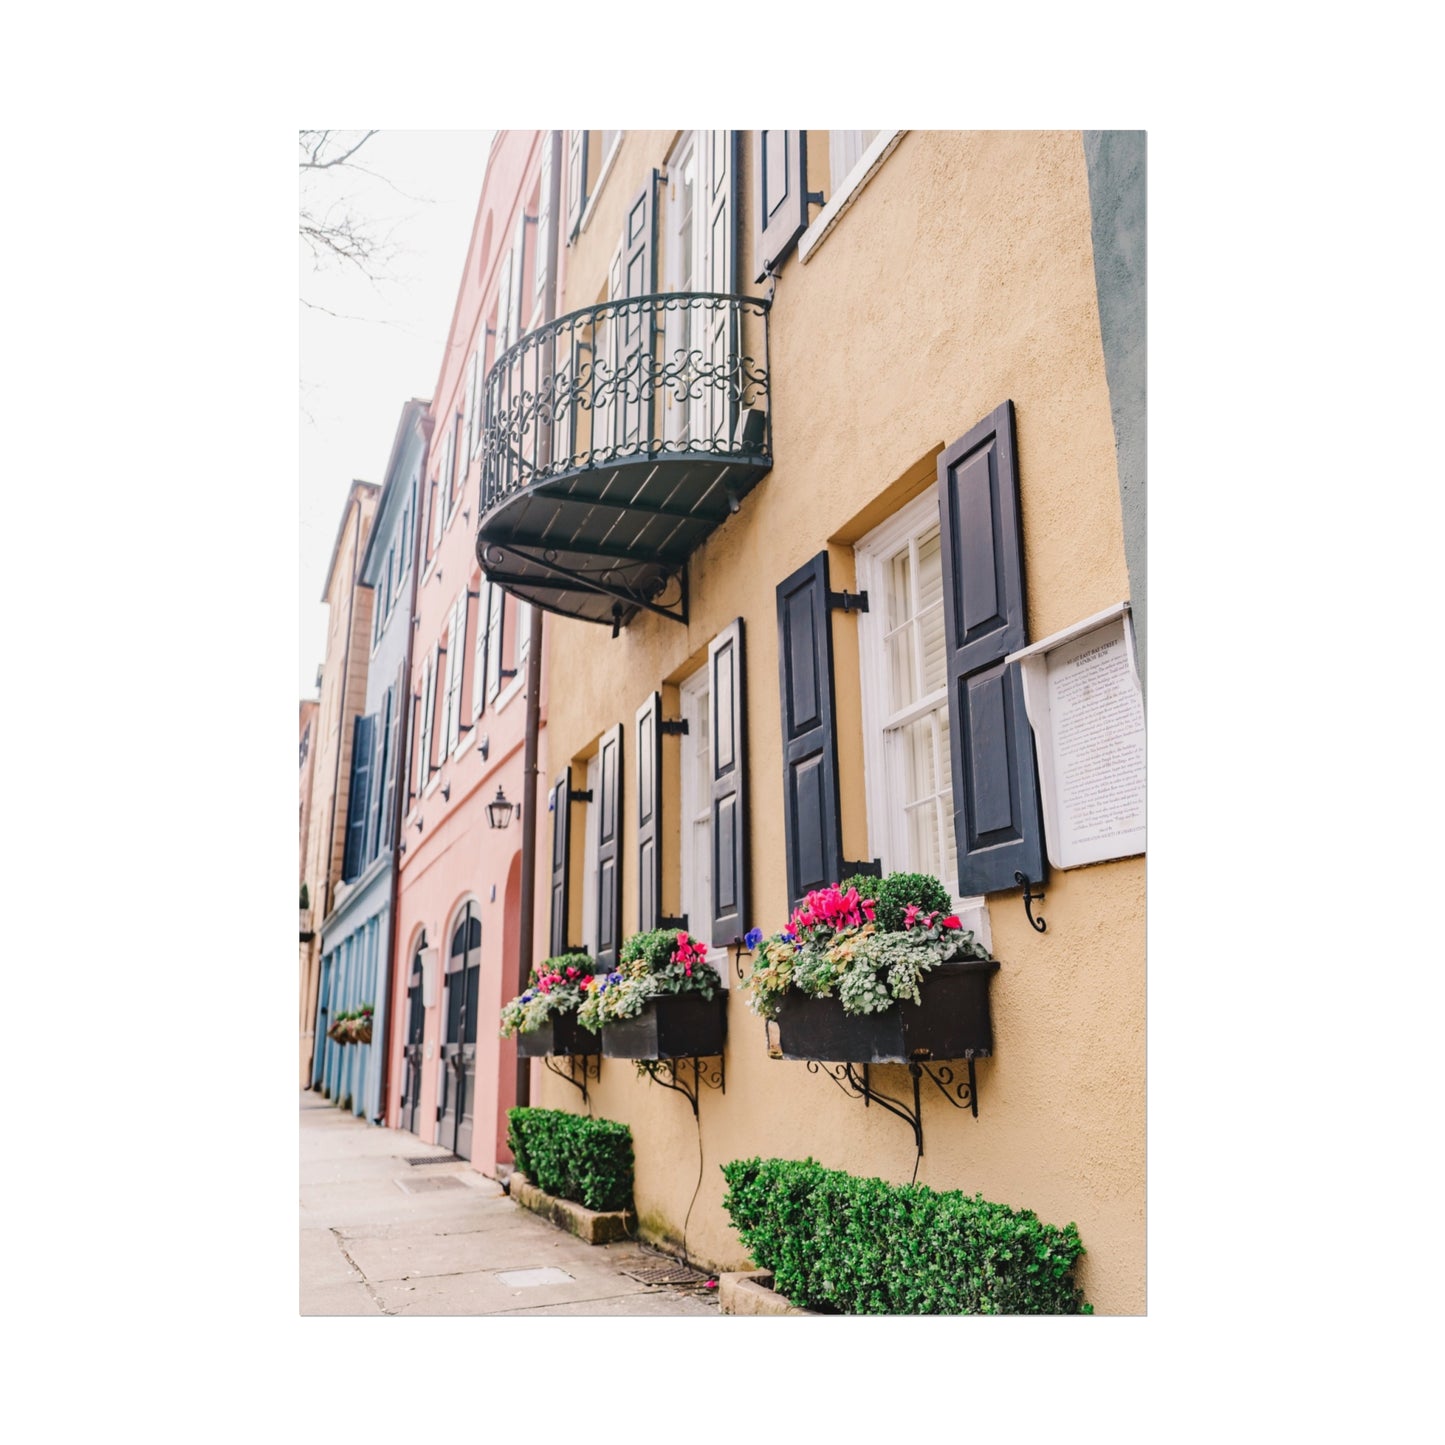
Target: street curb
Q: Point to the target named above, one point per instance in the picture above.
(749, 1292)
(591, 1226)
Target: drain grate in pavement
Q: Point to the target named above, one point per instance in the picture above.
(430, 1182)
(666, 1274)
(435, 1159)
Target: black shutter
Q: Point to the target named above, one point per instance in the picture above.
(609, 854)
(561, 858)
(995, 789)
(393, 765)
(380, 756)
(649, 813)
(780, 193)
(811, 820)
(576, 179)
(729, 752)
(352, 861)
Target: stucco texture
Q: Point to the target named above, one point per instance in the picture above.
(961, 276)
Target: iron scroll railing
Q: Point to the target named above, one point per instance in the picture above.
(644, 377)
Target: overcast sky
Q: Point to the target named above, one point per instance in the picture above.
(383, 344)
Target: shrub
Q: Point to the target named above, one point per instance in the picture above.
(572, 1157)
(893, 894)
(864, 1246)
(660, 961)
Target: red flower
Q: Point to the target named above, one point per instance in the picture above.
(571, 973)
(951, 922)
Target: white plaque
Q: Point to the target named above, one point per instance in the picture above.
(1082, 695)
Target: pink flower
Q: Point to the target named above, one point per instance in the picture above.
(571, 973)
(952, 922)
(909, 914)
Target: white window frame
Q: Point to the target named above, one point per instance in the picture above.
(848, 192)
(693, 800)
(885, 823)
(602, 175)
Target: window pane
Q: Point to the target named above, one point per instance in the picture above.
(948, 872)
(932, 643)
(920, 778)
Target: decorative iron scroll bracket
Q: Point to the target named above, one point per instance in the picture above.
(743, 951)
(591, 1068)
(848, 601)
(666, 1073)
(1030, 898)
(961, 1094)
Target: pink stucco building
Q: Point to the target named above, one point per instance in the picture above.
(460, 926)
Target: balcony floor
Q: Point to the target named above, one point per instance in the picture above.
(602, 543)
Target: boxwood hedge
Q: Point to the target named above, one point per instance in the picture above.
(838, 1243)
(571, 1157)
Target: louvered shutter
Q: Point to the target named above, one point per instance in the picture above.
(780, 194)
(634, 273)
(995, 789)
(544, 221)
(811, 820)
(561, 861)
(576, 179)
(609, 853)
(428, 713)
(649, 813)
(393, 767)
(495, 615)
(479, 661)
(357, 798)
(381, 740)
(729, 765)
(721, 204)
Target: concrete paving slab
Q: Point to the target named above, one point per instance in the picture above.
(662, 1302)
(339, 1299)
(481, 1294)
(323, 1259)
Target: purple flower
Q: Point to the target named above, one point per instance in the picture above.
(753, 937)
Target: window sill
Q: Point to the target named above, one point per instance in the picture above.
(847, 193)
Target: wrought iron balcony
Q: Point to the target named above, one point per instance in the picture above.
(614, 441)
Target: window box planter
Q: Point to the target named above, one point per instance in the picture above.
(952, 1022)
(673, 1026)
(561, 1035)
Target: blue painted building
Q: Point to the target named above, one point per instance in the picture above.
(356, 936)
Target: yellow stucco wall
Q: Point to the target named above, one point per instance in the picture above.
(961, 276)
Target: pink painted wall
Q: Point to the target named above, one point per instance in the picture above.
(455, 856)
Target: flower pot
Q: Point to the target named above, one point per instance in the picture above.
(362, 1034)
(952, 1022)
(675, 1026)
(561, 1034)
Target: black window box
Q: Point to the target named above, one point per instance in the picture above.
(675, 1026)
(562, 1034)
(951, 1022)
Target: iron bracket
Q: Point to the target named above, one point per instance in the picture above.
(1030, 898)
(656, 1069)
(579, 795)
(591, 1069)
(670, 728)
(668, 920)
(848, 601)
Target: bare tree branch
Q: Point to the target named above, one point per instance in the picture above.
(314, 142)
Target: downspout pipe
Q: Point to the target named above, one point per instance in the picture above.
(526, 924)
(403, 753)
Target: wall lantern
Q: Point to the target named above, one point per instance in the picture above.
(499, 810)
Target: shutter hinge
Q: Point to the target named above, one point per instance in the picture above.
(579, 795)
(506, 672)
(848, 601)
(670, 728)
(668, 920)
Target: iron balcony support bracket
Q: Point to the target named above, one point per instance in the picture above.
(591, 584)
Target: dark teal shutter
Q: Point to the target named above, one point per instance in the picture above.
(561, 858)
(780, 193)
(380, 757)
(387, 814)
(649, 813)
(729, 765)
(811, 821)
(995, 789)
(608, 803)
(353, 859)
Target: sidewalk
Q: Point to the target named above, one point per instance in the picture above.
(380, 1236)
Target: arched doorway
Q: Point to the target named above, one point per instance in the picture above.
(412, 1050)
(459, 1042)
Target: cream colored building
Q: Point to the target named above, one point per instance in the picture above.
(939, 403)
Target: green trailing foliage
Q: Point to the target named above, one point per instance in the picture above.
(588, 1161)
(838, 1243)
